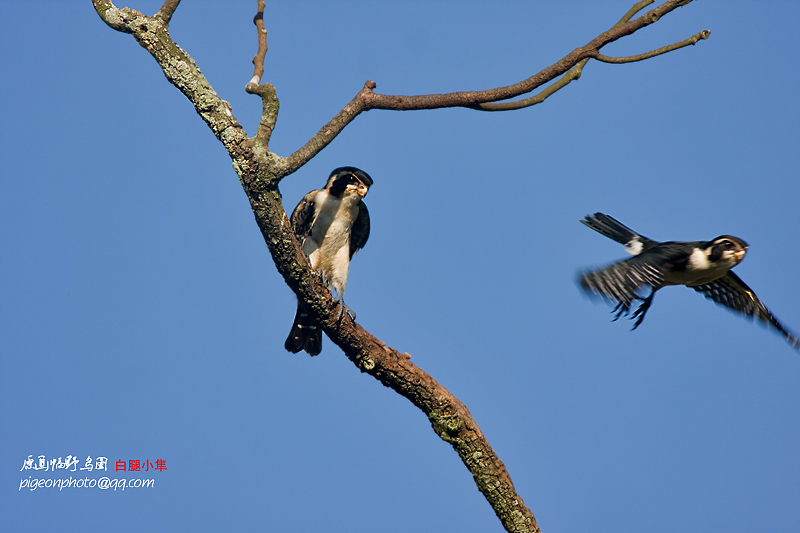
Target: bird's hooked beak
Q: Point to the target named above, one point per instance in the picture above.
(362, 190)
(739, 254)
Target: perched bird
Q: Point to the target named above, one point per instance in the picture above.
(331, 225)
(702, 265)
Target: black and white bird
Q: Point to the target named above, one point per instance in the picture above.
(702, 265)
(331, 225)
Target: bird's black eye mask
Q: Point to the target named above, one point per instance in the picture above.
(342, 181)
(719, 246)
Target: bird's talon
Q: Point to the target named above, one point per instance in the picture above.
(342, 308)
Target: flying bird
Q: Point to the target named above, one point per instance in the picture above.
(331, 225)
(704, 266)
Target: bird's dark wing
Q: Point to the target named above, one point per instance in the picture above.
(360, 231)
(620, 281)
(733, 293)
(303, 216)
(614, 229)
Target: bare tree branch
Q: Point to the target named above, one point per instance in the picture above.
(575, 72)
(484, 100)
(260, 171)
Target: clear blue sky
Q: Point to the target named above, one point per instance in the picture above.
(141, 316)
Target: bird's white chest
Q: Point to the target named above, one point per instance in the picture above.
(328, 245)
(700, 270)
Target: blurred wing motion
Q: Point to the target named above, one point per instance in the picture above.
(620, 281)
(704, 266)
(733, 293)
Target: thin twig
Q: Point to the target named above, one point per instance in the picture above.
(269, 98)
(258, 60)
(638, 6)
(572, 74)
(663, 50)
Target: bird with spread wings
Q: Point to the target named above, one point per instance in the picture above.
(704, 266)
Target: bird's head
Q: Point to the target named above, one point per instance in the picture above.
(346, 181)
(727, 249)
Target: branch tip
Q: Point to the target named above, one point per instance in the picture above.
(691, 41)
(261, 54)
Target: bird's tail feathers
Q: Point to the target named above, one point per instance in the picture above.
(304, 335)
(611, 228)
